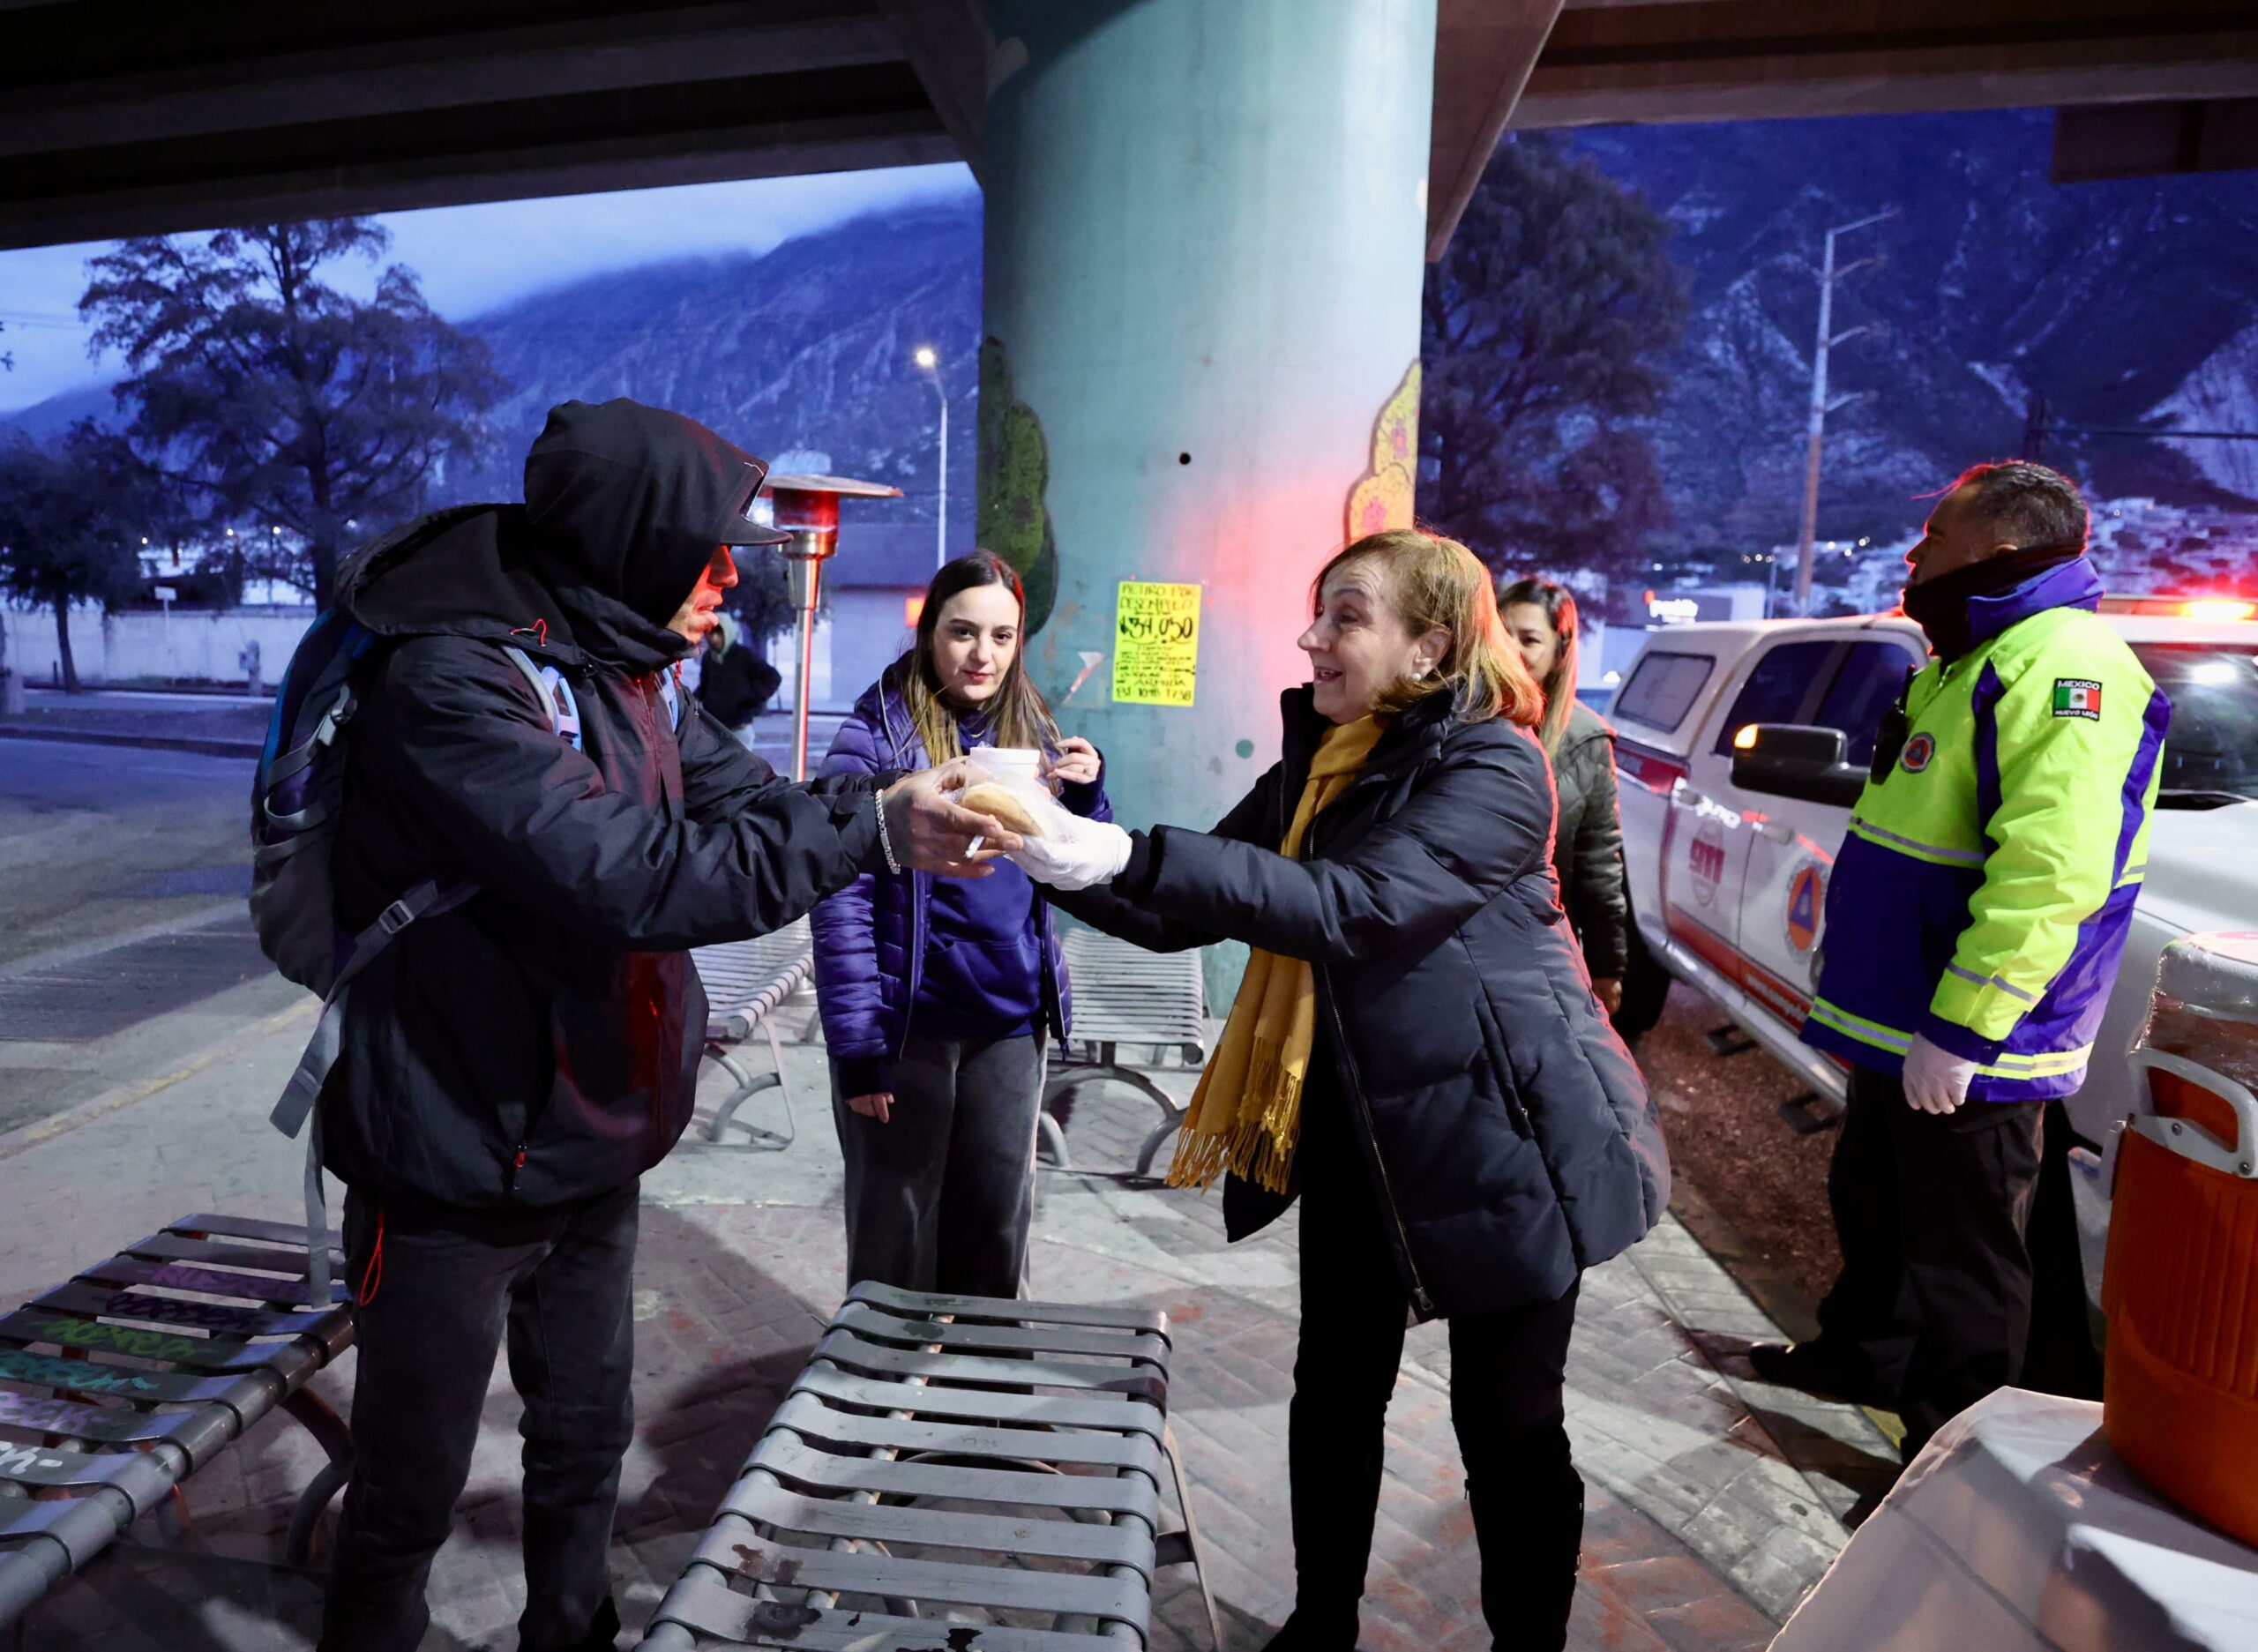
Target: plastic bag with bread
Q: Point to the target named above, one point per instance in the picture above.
(1003, 804)
(1003, 787)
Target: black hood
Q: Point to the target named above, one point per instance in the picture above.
(626, 503)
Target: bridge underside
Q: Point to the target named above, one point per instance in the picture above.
(120, 118)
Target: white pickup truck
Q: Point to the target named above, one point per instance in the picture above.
(1728, 883)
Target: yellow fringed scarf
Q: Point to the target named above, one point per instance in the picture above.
(1245, 1116)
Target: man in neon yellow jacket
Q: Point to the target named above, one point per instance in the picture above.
(1974, 923)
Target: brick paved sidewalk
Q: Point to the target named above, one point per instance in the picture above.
(1714, 1502)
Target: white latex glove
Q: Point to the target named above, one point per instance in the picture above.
(1092, 852)
(1936, 1080)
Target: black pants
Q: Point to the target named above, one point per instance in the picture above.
(941, 1196)
(438, 1290)
(1933, 1300)
(1507, 1371)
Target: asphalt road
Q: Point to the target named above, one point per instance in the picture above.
(102, 841)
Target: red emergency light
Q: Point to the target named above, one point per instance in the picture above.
(2212, 609)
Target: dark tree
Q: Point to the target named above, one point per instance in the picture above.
(1543, 328)
(275, 398)
(762, 600)
(71, 519)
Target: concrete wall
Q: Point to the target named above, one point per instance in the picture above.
(858, 638)
(198, 646)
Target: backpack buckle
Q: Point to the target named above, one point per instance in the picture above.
(396, 917)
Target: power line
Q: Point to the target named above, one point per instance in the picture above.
(2038, 427)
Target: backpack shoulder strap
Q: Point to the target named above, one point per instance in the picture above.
(551, 687)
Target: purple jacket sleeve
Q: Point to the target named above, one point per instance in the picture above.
(1089, 802)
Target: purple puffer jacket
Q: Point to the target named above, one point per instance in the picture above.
(871, 936)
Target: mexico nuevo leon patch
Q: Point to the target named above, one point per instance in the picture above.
(2077, 697)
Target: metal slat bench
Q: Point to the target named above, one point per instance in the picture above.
(1125, 996)
(160, 1357)
(1043, 1426)
(745, 981)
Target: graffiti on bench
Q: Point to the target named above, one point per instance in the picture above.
(65, 1416)
(18, 1366)
(123, 1339)
(210, 1316)
(30, 1460)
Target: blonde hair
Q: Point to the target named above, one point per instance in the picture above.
(1017, 715)
(1559, 683)
(1436, 584)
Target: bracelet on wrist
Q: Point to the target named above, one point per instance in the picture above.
(885, 840)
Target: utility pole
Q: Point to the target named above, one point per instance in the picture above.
(930, 360)
(1808, 532)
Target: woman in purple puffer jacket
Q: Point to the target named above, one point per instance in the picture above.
(937, 994)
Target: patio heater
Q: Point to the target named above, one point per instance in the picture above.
(807, 508)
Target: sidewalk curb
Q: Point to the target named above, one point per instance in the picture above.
(23, 1140)
(148, 742)
(1786, 1304)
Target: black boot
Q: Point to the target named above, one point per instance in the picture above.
(1818, 1370)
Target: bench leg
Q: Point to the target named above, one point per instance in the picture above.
(1164, 1549)
(1072, 1079)
(1053, 1140)
(783, 1083)
(327, 1427)
(749, 1085)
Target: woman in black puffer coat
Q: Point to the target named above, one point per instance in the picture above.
(1469, 1135)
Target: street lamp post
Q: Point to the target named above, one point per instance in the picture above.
(1815, 434)
(929, 361)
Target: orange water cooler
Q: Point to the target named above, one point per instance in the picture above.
(2181, 1285)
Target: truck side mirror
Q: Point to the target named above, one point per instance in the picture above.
(1785, 759)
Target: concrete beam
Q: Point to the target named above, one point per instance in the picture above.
(947, 43)
(287, 75)
(1719, 60)
(702, 132)
(1484, 52)
(2130, 140)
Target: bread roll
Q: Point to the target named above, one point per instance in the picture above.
(1000, 803)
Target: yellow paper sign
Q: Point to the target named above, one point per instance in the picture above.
(1155, 644)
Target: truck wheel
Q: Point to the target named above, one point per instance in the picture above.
(1645, 986)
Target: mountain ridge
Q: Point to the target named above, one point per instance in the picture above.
(2120, 303)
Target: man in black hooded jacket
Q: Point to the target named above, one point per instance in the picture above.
(510, 1067)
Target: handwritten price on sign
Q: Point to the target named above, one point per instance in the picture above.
(1156, 644)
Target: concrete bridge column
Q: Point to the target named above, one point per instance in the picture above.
(1206, 222)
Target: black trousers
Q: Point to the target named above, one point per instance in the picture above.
(438, 1292)
(1933, 1301)
(941, 1195)
(1508, 1371)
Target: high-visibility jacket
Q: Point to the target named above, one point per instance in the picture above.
(1986, 886)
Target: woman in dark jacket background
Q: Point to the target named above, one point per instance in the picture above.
(937, 994)
(1540, 618)
(1467, 1133)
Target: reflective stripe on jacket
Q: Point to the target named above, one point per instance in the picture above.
(1986, 883)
